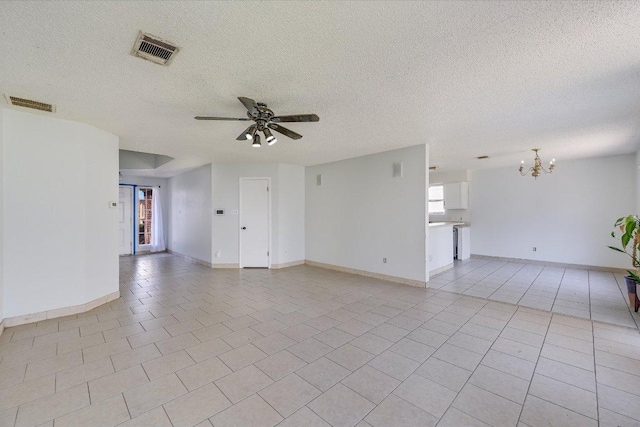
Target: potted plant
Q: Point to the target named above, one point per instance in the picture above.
(629, 234)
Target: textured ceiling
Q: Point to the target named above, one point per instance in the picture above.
(469, 78)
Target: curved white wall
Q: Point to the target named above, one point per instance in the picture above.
(60, 236)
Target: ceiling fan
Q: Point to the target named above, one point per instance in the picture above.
(264, 120)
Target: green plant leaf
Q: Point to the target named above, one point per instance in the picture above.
(616, 249)
(629, 223)
(618, 222)
(625, 240)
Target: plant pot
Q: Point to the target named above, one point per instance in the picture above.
(633, 292)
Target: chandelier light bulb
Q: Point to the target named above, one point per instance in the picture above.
(256, 141)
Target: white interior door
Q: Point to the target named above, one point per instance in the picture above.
(254, 222)
(124, 221)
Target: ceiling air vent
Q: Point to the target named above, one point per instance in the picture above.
(28, 103)
(482, 157)
(154, 49)
(433, 168)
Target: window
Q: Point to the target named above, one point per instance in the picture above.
(145, 206)
(436, 199)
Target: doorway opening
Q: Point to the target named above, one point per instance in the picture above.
(145, 217)
(125, 221)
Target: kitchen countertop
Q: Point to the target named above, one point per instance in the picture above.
(449, 223)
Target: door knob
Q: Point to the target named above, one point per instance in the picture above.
(244, 228)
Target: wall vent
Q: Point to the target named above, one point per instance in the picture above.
(433, 168)
(482, 157)
(154, 49)
(397, 170)
(28, 103)
(318, 180)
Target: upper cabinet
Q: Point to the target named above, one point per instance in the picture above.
(456, 195)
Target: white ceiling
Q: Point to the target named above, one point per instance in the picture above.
(469, 78)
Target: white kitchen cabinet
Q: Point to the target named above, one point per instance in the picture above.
(456, 195)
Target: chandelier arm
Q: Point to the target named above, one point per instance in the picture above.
(546, 171)
(527, 172)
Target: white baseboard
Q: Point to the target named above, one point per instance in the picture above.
(371, 274)
(441, 269)
(225, 266)
(190, 258)
(59, 312)
(552, 264)
(287, 264)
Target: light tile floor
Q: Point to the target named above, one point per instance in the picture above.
(581, 293)
(186, 345)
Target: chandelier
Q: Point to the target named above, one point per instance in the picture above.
(537, 167)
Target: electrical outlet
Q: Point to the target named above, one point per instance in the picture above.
(535, 249)
(384, 260)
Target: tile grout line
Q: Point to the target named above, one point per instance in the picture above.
(476, 368)
(535, 368)
(595, 373)
(555, 298)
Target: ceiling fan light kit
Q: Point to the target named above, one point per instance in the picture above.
(256, 141)
(537, 167)
(270, 138)
(264, 121)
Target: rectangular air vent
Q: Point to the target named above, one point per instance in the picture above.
(433, 168)
(154, 49)
(482, 157)
(28, 103)
(318, 180)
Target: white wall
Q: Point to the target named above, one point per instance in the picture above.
(60, 236)
(568, 215)
(291, 201)
(443, 177)
(1, 216)
(195, 231)
(361, 214)
(163, 183)
(637, 182)
(287, 210)
(190, 213)
(225, 182)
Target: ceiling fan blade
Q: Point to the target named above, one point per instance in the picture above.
(296, 118)
(242, 119)
(249, 104)
(286, 132)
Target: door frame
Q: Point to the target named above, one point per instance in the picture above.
(240, 180)
(133, 216)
